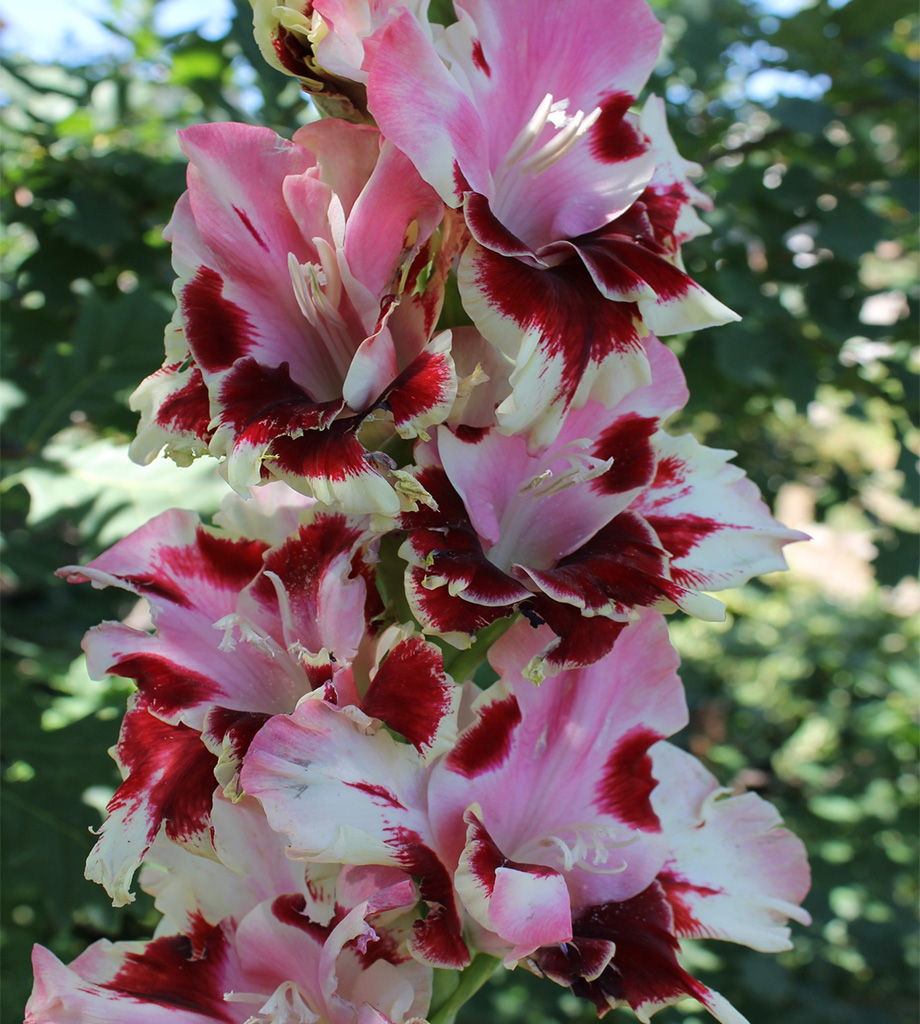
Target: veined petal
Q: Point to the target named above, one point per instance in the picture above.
(426, 113)
(732, 873)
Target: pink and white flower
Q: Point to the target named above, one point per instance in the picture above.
(310, 281)
(241, 632)
(613, 516)
(576, 208)
(247, 937)
(555, 818)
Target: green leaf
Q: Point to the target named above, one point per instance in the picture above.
(105, 495)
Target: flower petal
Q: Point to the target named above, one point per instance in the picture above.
(168, 783)
(568, 341)
(732, 872)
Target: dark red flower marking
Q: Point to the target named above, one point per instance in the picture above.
(625, 788)
(681, 534)
(471, 435)
(379, 794)
(302, 562)
(218, 331)
(488, 230)
(613, 139)
(622, 563)
(292, 52)
(456, 555)
(168, 688)
(262, 402)
(411, 692)
(582, 641)
(426, 383)
(236, 729)
(150, 586)
(486, 858)
(628, 442)
(644, 968)
(576, 323)
(450, 614)
(437, 940)
(663, 207)
(479, 59)
(485, 744)
(332, 454)
(289, 909)
(170, 770)
(170, 972)
(671, 472)
(676, 889)
(216, 561)
(188, 410)
(250, 227)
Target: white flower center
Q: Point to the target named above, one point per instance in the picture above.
(581, 468)
(585, 845)
(318, 290)
(556, 471)
(570, 128)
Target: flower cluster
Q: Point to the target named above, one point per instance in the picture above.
(405, 706)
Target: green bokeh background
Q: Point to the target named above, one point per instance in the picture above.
(807, 694)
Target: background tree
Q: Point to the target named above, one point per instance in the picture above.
(803, 118)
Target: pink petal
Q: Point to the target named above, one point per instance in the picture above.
(425, 113)
(544, 762)
(394, 198)
(732, 872)
(710, 518)
(346, 155)
(527, 905)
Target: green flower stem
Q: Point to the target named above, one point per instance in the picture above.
(464, 663)
(481, 968)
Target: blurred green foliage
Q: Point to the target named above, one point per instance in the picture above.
(808, 693)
